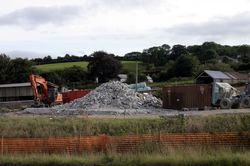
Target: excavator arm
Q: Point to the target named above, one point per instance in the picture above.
(43, 97)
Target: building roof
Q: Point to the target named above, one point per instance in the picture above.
(237, 75)
(15, 85)
(217, 74)
(26, 84)
(123, 76)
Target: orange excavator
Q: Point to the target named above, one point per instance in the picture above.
(43, 94)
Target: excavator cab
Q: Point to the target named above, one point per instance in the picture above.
(54, 95)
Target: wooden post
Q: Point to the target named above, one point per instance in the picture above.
(79, 144)
(159, 137)
(2, 145)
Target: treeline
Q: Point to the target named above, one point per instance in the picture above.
(160, 55)
(206, 53)
(165, 62)
(162, 63)
(18, 71)
(14, 70)
(67, 58)
(102, 66)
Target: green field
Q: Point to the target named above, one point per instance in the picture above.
(30, 127)
(127, 65)
(183, 157)
(60, 66)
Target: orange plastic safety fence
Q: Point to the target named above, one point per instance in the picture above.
(103, 143)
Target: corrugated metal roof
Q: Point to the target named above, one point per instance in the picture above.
(217, 74)
(15, 85)
(237, 75)
(50, 84)
(231, 76)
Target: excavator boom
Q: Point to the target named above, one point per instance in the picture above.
(43, 96)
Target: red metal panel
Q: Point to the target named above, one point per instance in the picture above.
(72, 95)
(187, 96)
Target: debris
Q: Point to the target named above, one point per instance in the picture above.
(112, 98)
(114, 95)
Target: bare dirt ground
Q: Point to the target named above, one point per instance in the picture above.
(172, 113)
(136, 113)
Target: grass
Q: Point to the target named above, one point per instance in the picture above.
(60, 66)
(30, 127)
(184, 157)
(129, 66)
(173, 81)
(150, 155)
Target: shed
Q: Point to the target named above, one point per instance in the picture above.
(237, 77)
(209, 76)
(16, 92)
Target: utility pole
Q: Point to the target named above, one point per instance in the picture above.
(136, 74)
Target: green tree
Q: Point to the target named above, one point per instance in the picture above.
(244, 52)
(48, 59)
(73, 75)
(210, 45)
(4, 69)
(132, 56)
(177, 51)
(215, 66)
(208, 56)
(104, 66)
(186, 66)
(156, 55)
(55, 77)
(131, 78)
(19, 70)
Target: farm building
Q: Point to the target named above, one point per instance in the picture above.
(237, 77)
(210, 76)
(16, 92)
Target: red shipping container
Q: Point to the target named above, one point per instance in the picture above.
(72, 95)
(187, 96)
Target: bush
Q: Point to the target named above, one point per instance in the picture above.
(215, 66)
(54, 77)
(186, 66)
(131, 78)
(72, 77)
(74, 74)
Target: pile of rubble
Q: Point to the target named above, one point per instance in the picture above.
(114, 95)
(112, 98)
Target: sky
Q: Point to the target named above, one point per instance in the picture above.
(37, 28)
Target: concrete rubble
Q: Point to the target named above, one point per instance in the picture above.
(110, 98)
(114, 95)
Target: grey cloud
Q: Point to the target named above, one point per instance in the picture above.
(127, 4)
(237, 25)
(35, 16)
(25, 54)
(124, 2)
